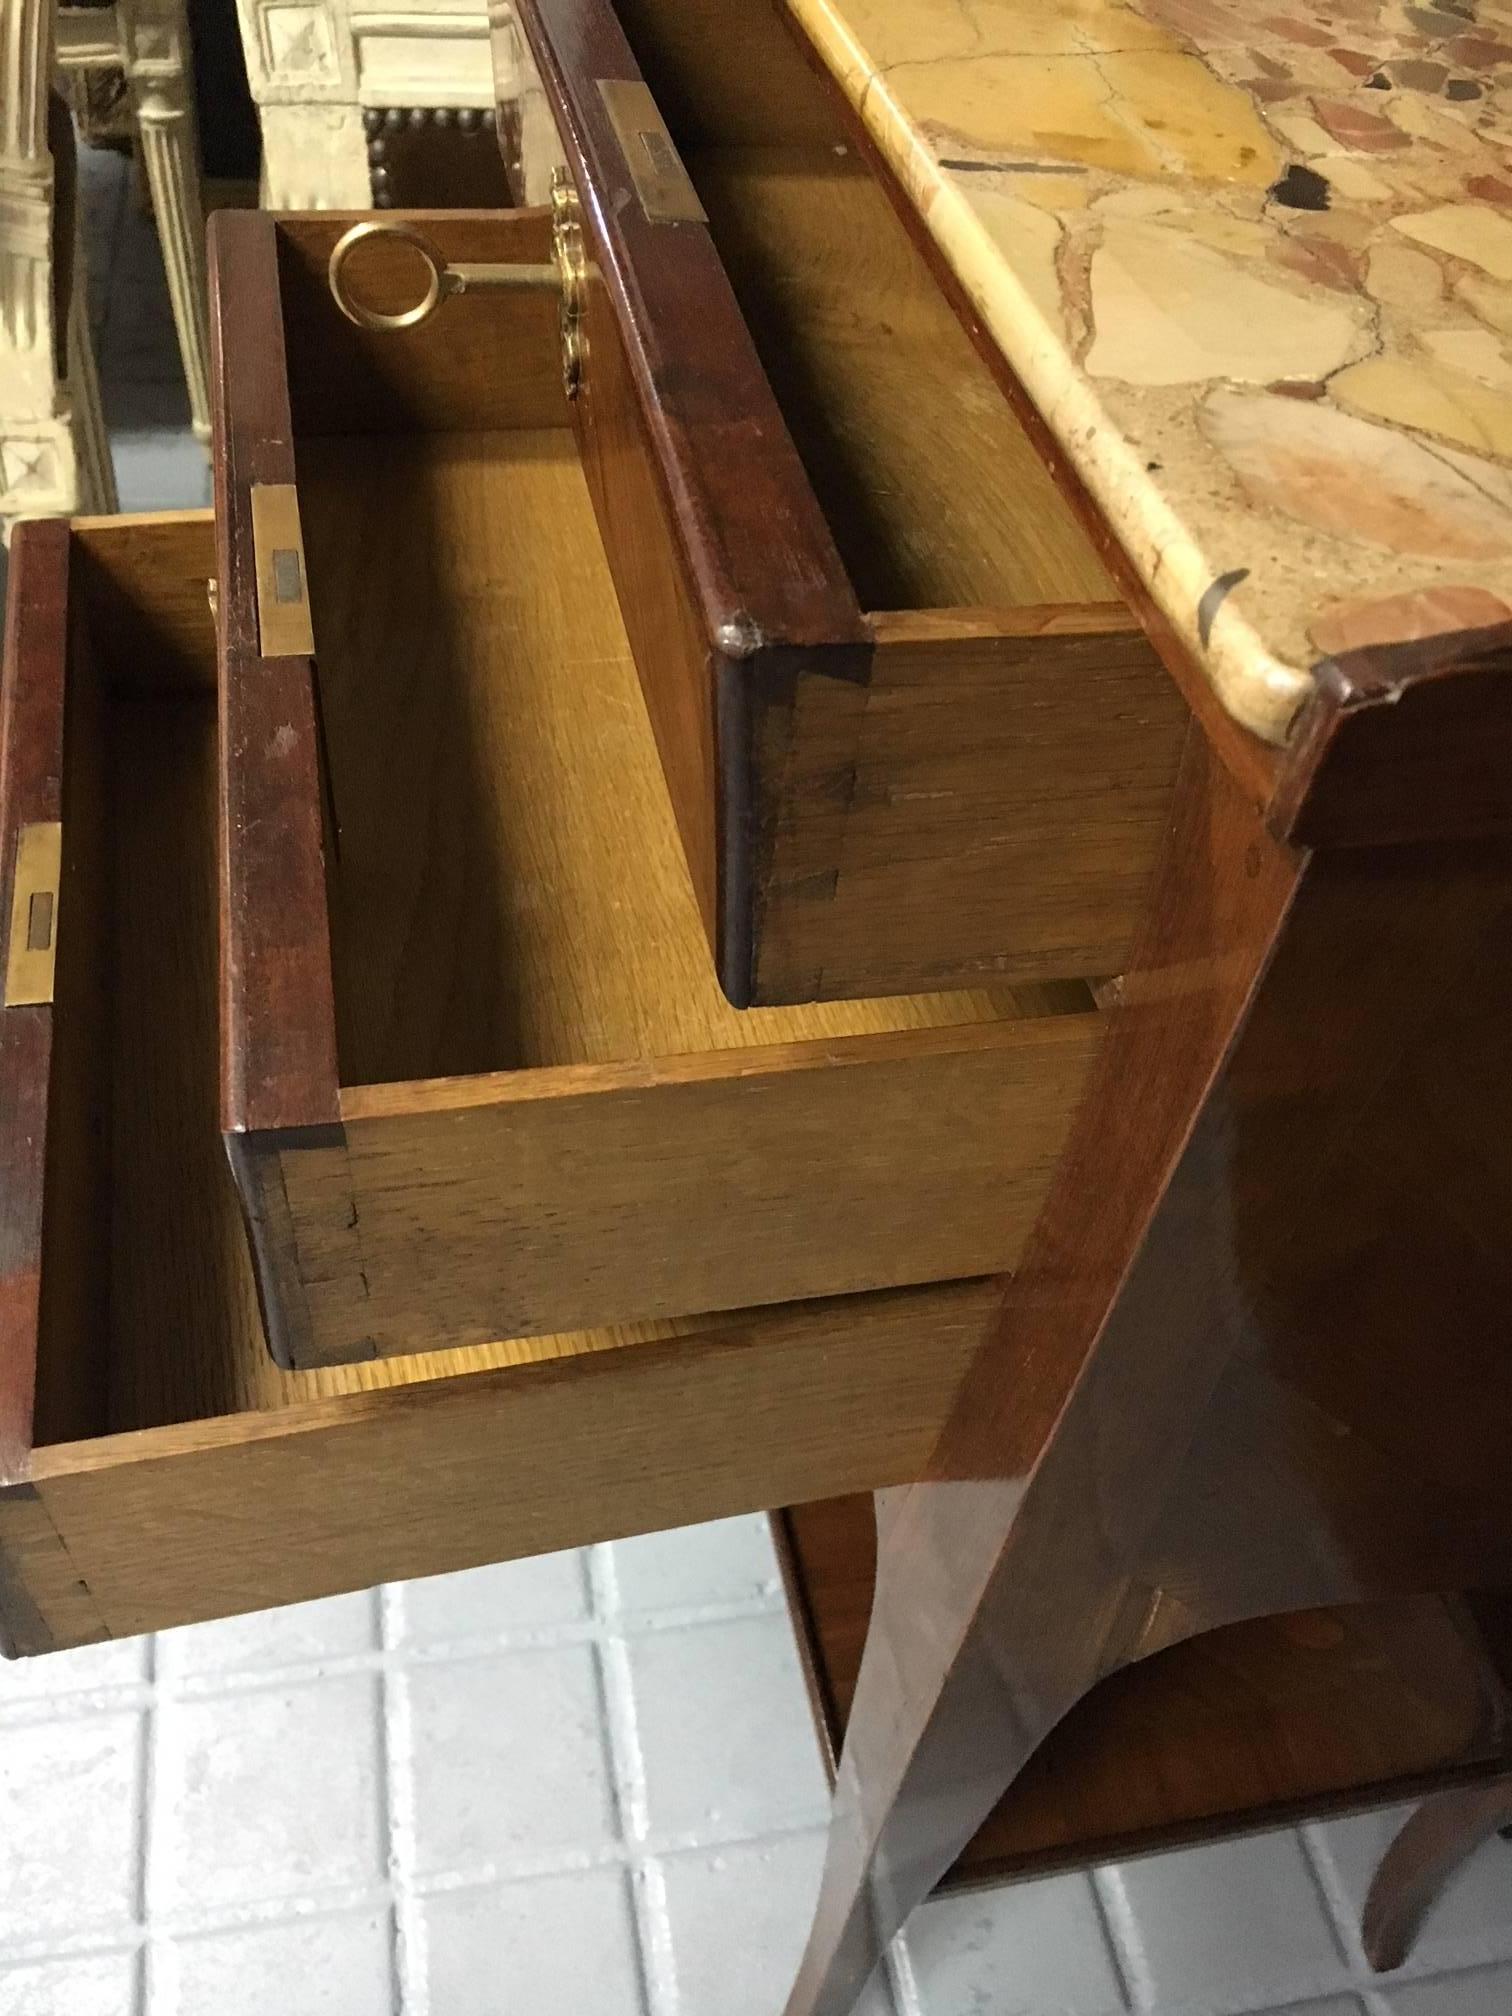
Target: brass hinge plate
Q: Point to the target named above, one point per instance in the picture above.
(32, 948)
(283, 588)
(666, 192)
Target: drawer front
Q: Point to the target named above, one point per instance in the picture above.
(945, 768)
(307, 1496)
(451, 1214)
(31, 813)
(156, 1468)
(480, 1080)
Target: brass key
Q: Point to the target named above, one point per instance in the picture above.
(444, 280)
(565, 276)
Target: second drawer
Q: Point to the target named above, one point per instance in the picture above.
(479, 1078)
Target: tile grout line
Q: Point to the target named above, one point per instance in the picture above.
(902, 1982)
(147, 1834)
(83, 1703)
(408, 1975)
(1122, 1973)
(1122, 1927)
(154, 1951)
(1343, 1921)
(627, 1772)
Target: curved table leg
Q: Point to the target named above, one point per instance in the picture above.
(966, 1670)
(1421, 1862)
(1179, 1421)
(1003, 1597)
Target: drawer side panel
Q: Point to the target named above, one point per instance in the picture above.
(760, 553)
(31, 792)
(277, 1017)
(174, 1525)
(988, 808)
(586, 1196)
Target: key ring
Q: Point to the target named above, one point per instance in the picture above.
(565, 276)
(378, 318)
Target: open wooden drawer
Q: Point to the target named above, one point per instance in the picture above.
(479, 1077)
(155, 1466)
(914, 738)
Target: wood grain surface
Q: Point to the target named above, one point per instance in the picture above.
(527, 910)
(278, 1059)
(178, 1473)
(210, 1517)
(655, 1152)
(31, 789)
(695, 692)
(486, 359)
(1021, 851)
(1252, 1360)
(510, 891)
(148, 577)
(933, 495)
(761, 558)
(1276, 1719)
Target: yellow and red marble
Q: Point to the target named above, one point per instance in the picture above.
(1253, 263)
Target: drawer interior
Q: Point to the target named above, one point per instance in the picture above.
(506, 886)
(149, 1312)
(910, 446)
(934, 494)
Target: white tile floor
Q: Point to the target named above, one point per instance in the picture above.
(581, 1786)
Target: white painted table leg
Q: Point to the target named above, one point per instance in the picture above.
(37, 464)
(96, 470)
(171, 159)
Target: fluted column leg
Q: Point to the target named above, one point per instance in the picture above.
(157, 58)
(37, 470)
(171, 158)
(97, 484)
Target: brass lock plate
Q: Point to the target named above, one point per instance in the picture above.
(661, 182)
(284, 629)
(32, 948)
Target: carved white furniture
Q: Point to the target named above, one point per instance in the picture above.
(54, 455)
(335, 79)
(148, 42)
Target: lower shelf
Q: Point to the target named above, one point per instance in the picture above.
(1247, 1727)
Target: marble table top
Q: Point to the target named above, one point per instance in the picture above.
(1252, 260)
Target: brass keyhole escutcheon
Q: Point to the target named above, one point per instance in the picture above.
(572, 264)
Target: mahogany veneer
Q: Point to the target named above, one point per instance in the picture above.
(1276, 1719)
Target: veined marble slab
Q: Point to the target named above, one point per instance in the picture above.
(1253, 262)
